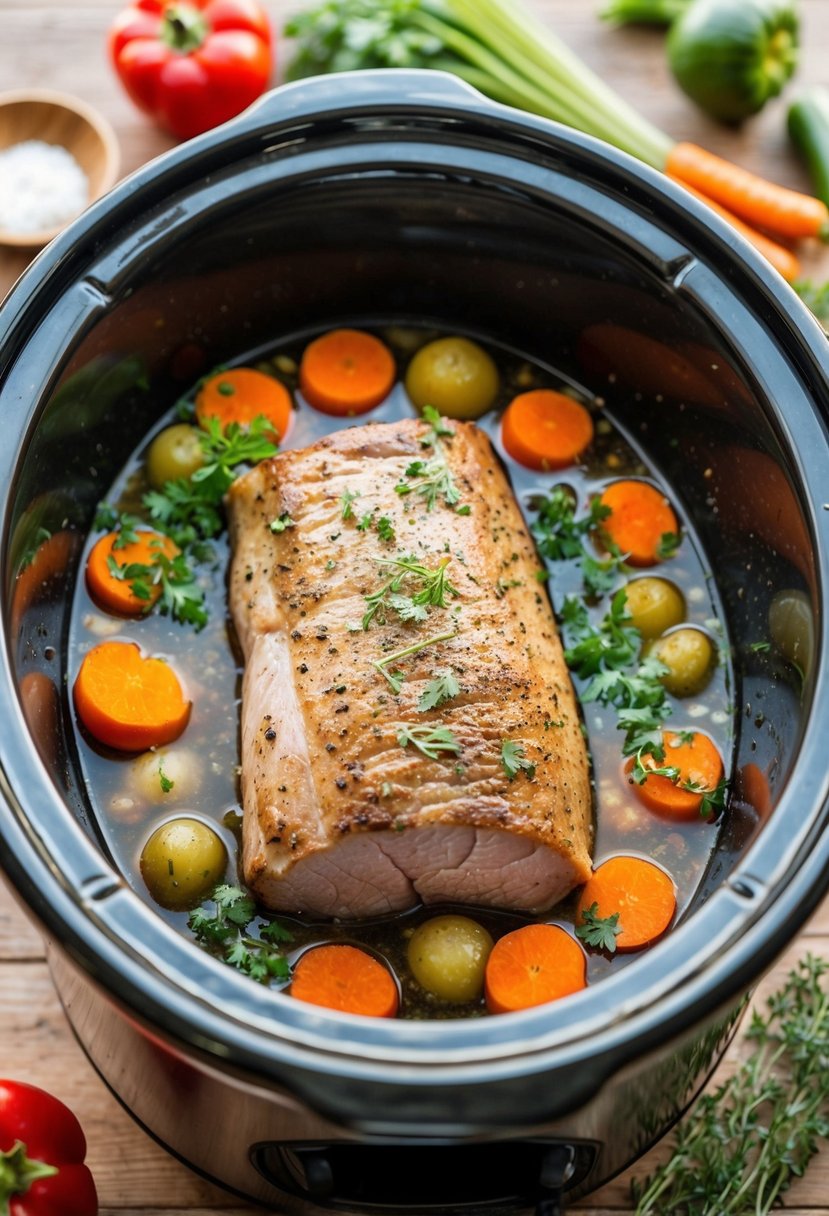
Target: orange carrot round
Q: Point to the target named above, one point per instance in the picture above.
(781, 212)
(531, 966)
(345, 978)
(115, 594)
(782, 259)
(638, 891)
(242, 394)
(544, 429)
(700, 770)
(640, 516)
(127, 701)
(346, 372)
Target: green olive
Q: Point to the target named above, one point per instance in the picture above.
(455, 376)
(181, 863)
(689, 656)
(792, 627)
(175, 452)
(655, 605)
(447, 957)
(168, 775)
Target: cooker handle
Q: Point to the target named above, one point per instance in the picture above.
(557, 1169)
(319, 96)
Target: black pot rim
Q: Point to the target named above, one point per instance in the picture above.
(106, 929)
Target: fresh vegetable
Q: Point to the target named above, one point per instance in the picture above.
(455, 376)
(111, 570)
(641, 522)
(782, 259)
(732, 56)
(808, 124)
(165, 776)
(128, 701)
(638, 892)
(42, 1151)
(688, 655)
(447, 956)
(346, 372)
(792, 627)
(156, 573)
(654, 605)
(543, 429)
(181, 862)
(241, 395)
(345, 978)
(224, 930)
(780, 212)
(192, 64)
(816, 297)
(748, 1139)
(507, 53)
(176, 452)
(531, 966)
(682, 779)
(644, 12)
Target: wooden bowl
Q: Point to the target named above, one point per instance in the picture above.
(59, 118)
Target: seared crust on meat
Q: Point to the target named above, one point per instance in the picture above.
(339, 818)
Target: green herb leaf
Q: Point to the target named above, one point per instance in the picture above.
(513, 760)
(439, 690)
(598, 931)
(432, 741)
(431, 480)
(282, 522)
(166, 783)
(668, 544)
(224, 931)
(346, 499)
(438, 427)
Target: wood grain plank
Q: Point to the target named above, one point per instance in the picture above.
(19, 939)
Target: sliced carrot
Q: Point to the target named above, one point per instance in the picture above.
(640, 516)
(39, 576)
(127, 701)
(754, 789)
(531, 966)
(242, 394)
(346, 372)
(700, 767)
(345, 978)
(638, 891)
(544, 429)
(782, 259)
(116, 594)
(781, 212)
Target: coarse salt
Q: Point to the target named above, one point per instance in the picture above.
(42, 186)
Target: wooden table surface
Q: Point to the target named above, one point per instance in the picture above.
(60, 44)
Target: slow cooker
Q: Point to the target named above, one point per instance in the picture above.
(406, 196)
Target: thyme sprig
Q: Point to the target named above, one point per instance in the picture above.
(741, 1146)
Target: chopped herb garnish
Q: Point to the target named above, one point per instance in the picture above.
(760, 647)
(365, 522)
(435, 586)
(432, 741)
(282, 522)
(164, 780)
(225, 935)
(438, 427)
(668, 545)
(600, 932)
(396, 678)
(513, 760)
(346, 499)
(464, 510)
(439, 690)
(384, 528)
(431, 480)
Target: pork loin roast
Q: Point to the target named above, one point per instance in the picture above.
(344, 815)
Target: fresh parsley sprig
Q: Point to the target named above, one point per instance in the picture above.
(514, 761)
(599, 932)
(432, 741)
(431, 480)
(181, 597)
(435, 586)
(439, 428)
(224, 932)
(444, 687)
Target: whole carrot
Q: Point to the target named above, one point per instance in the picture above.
(777, 210)
(782, 259)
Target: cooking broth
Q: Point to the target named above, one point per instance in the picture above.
(209, 663)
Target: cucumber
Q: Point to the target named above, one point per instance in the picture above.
(808, 123)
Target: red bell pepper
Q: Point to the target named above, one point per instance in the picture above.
(42, 1148)
(192, 64)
